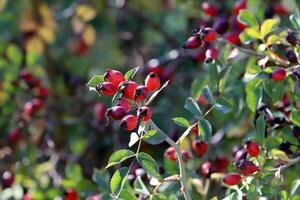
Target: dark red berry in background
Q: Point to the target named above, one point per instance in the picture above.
(144, 113)
(124, 103)
(239, 5)
(252, 148)
(240, 155)
(25, 75)
(233, 37)
(247, 167)
(192, 42)
(237, 25)
(99, 111)
(43, 92)
(278, 74)
(279, 9)
(116, 112)
(232, 179)
(14, 135)
(209, 9)
(129, 122)
(221, 24)
(152, 82)
(211, 54)
(7, 179)
(106, 88)
(296, 131)
(221, 163)
(207, 168)
(71, 194)
(37, 104)
(114, 76)
(209, 35)
(128, 89)
(79, 47)
(199, 147)
(141, 93)
(292, 38)
(28, 109)
(170, 153)
(195, 129)
(155, 67)
(291, 56)
(185, 155)
(199, 56)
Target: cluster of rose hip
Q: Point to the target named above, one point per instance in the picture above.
(133, 94)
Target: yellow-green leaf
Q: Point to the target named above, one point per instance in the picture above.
(268, 26)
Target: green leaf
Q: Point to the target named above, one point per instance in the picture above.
(208, 95)
(181, 121)
(223, 105)
(140, 187)
(130, 74)
(223, 81)
(260, 128)
(73, 171)
(252, 33)
(148, 164)
(101, 178)
(205, 129)
(295, 117)
(118, 180)
(295, 19)
(268, 26)
(253, 92)
(95, 80)
(154, 137)
(295, 187)
(281, 155)
(245, 38)
(158, 197)
(126, 195)
(197, 85)
(14, 54)
(248, 18)
(119, 156)
(192, 106)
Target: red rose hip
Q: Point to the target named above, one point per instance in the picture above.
(141, 93)
(124, 103)
(114, 76)
(252, 148)
(128, 89)
(209, 35)
(171, 153)
(116, 112)
(211, 54)
(144, 113)
(232, 179)
(247, 167)
(129, 122)
(192, 42)
(278, 74)
(199, 147)
(209, 9)
(239, 5)
(106, 88)
(152, 82)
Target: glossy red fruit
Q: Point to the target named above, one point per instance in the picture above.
(171, 153)
(209, 9)
(71, 194)
(106, 88)
(211, 54)
(99, 111)
(7, 179)
(232, 179)
(14, 135)
(25, 75)
(199, 147)
(43, 92)
(192, 42)
(209, 35)
(252, 148)
(124, 103)
(116, 112)
(195, 130)
(185, 155)
(155, 67)
(278, 74)
(200, 56)
(207, 168)
(129, 122)
(128, 89)
(222, 163)
(239, 5)
(37, 104)
(152, 82)
(144, 113)
(247, 167)
(114, 76)
(233, 37)
(141, 93)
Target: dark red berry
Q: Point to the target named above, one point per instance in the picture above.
(124, 103)
(233, 37)
(209, 9)
(71, 194)
(116, 112)
(292, 38)
(25, 75)
(195, 129)
(43, 92)
(209, 35)
(185, 155)
(114, 76)
(7, 179)
(232, 179)
(291, 56)
(171, 153)
(129, 122)
(152, 82)
(211, 54)
(28, 109)
(221, 163)
(247, 167)
(14, 135)
(128, 89)
(278, 74)
(252, 148)
(199, 147)
(239, 5)
(207, 168)
(144, 113)
(155, 67)
(106, 88)
(192, 42)
(99, 111)
(221, 24)
(79, 47)
(37, 104)
(141, 93)
(279, 9)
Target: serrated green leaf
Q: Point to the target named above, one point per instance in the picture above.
(118, 180)
(181, 121)
(208, 95)
(148, 164)
(253, 92)
(295, 117)
(268, 26)
(154, 137)
(192, 106)
(248, 18)
(205, 129)
(119, 156)
(130, 74)
(73, 172)
(95, 80)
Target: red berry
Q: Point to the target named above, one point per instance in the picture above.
(207, 168)
(280, 9)
(128, 89)
(37, 104)
(195, 130)
(199, 147)
(211, 54)
(185, 155)
(171, 153)
(252, 148)
(71, 194)
(155, 67)
(99, 111)
(8, 179)
(144, 113)
(152, 82)
(209, 9)
(129, 122)
(247, 167)
(232, 179)
(25, 75)
(141, 93)
(239, 5)
(209, 35)
(124, 103)
(43, 92)
(79, 47)
(233, 37)
(200, 56)
(14, 135)
(106, 88)
(222, 163)
(116, 112)
(278, 74)
(114, 76)
(192, 42)
(28, 109)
